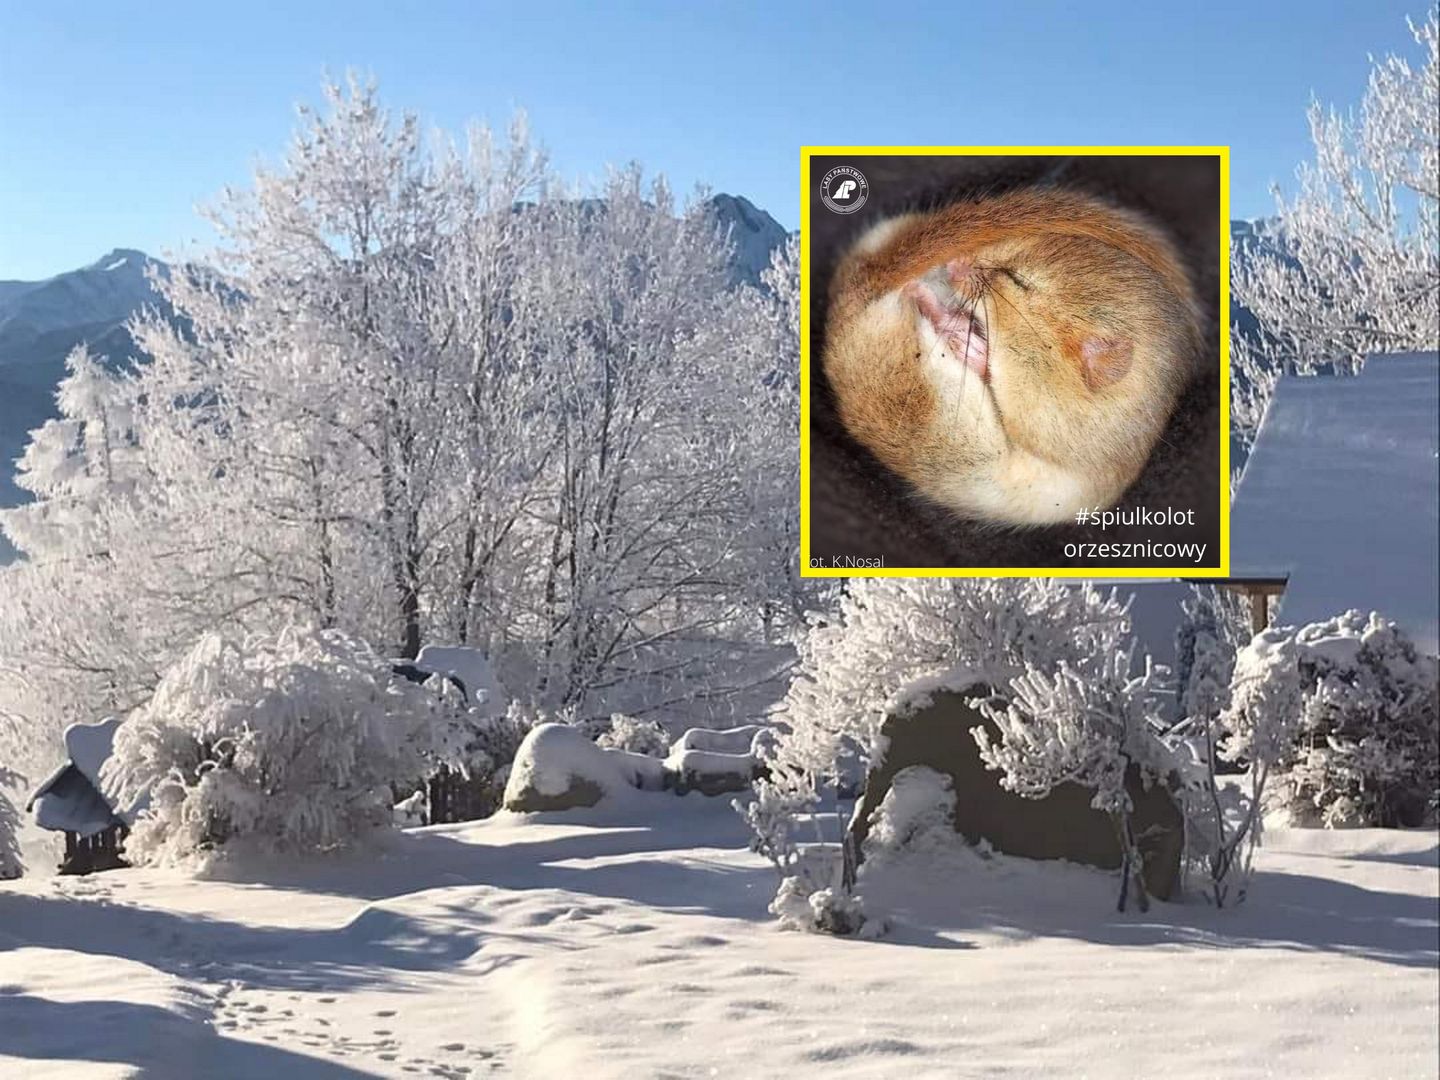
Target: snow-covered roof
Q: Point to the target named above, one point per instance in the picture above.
(1339, 496)
(89, 746)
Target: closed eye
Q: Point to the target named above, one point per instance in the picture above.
(1016, 278)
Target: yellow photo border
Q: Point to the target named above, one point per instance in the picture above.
(1221, 152)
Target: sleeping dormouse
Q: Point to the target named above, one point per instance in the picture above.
(1016, 357)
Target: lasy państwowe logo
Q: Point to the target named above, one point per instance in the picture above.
(844, 189)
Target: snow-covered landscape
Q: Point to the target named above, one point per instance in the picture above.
(407, 669)
(634, 941)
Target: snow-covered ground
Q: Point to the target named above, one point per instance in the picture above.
(625, 942)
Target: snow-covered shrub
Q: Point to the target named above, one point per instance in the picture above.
(773, 814)
(636, 736)
(891, 632)
(1060, 724)
(916, 815)
(1212, 630)
(1256, 729)
(1367, 748)
(488, 745)
(827, 911)
(286, 742)
(10, 865)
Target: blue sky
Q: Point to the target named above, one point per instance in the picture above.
(117, 118)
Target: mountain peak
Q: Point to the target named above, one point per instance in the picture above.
(118, 258)
(753, 232)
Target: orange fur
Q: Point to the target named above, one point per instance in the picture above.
(1093, 329)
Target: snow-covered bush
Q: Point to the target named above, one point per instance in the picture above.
(636, 736)
(887, 634)
(891, 632)
(488, 745)
(286, 742)
(1212, 630)
(1367, 746)
(916, 815)
(827, 911)
(10, 865)
(1257, 730)
(1060, 724)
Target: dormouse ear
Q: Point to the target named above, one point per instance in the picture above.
(1104, 361)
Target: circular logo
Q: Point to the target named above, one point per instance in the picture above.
(844, 189)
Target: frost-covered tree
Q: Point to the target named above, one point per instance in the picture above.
(1259, 724)
(321, 368)
(1352, 262)
(421, 395)
(10, 864)
(772, 318)
(74, 462)
(1367, 746)
(1058, 724)
(285, 742)
(641, 547)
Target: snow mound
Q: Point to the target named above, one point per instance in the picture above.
(61, 1020)
(736, 740)
(558, 767)
(715, 762)
(916, 815)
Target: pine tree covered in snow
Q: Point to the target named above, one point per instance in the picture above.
(75, 462)
(285, 743)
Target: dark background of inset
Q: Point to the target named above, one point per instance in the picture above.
(859, 508)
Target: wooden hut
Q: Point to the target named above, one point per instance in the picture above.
(73, 801)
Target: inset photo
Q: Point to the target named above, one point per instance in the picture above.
(1014, 361)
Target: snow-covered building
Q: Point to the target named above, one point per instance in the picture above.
(1337, 507)
(73, 801)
